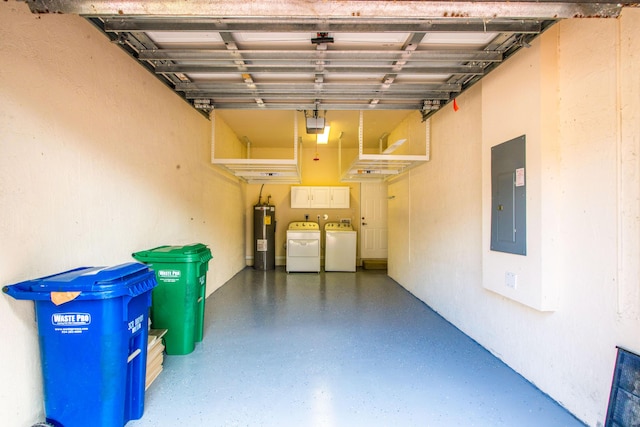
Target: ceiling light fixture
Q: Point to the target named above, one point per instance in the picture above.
(323, 138)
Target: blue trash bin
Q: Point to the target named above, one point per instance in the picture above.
(93, 347)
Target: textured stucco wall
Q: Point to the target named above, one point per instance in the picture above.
(98, 159)
(574, 93)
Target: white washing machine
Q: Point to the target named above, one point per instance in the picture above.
(339, 247)
(303, 247)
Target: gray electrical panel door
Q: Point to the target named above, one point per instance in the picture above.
(508, 197)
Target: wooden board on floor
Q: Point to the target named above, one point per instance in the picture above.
(155, 355)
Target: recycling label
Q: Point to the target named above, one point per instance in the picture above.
(169, 276)
(71, 323)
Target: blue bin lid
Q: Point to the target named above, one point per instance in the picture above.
(130, 279)
(196, 252)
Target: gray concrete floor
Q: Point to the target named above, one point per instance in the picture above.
(337, 349)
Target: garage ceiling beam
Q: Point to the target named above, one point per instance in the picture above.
(327, 87)
(333, 8)
(350, 56)
(333, 25)
(427, 69)
(351, 106)
(291, 96)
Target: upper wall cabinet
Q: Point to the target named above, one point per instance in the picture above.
(340, 197)
(320, 197)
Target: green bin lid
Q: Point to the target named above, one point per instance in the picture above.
(196, 252)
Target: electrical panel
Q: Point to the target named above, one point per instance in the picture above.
(508, 197)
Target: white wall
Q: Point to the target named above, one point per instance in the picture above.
(521, 99)
(576, 95)
(98, 159)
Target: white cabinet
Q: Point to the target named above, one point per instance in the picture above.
(300, 197)
(340, 197)
(319, 197)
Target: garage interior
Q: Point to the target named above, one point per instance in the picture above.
(337, 349)
(123, 125)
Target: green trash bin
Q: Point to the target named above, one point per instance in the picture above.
(178, 300)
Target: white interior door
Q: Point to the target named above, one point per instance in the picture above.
(373, 220)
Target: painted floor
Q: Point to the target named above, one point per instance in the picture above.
(337, 349)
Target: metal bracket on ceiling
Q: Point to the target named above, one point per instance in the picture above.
(203, 104)
(322, 38)
(429, 106)
(121, 39)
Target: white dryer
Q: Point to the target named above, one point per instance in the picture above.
(303, 247)
(340, 247)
